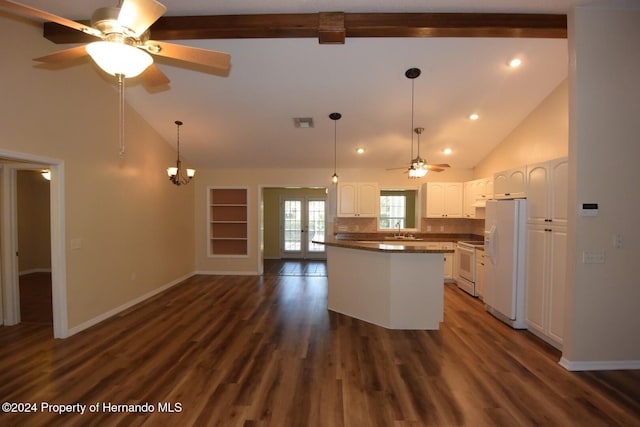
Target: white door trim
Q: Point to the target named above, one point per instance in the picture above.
(8, 235)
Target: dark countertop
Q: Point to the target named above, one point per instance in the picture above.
(392, 246)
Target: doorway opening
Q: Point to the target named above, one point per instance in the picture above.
(292, 219)
(12, 163)
(34, 246)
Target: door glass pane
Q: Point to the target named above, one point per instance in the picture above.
(315, 225)
(292, 225)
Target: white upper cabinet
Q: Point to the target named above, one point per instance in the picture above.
(476, 192)
(358, 200)
(510, 184)
(444, 199)
(547, 191)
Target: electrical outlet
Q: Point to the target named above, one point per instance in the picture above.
(617, 241)
(442, 228)
(595, 256)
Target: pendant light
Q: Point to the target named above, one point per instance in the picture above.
(335, 117)
(176, 174)
(415, 165)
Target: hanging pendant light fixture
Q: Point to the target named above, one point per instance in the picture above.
(415, 165)
(335, 117)
(176, 174)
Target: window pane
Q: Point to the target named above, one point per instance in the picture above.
(393, 212)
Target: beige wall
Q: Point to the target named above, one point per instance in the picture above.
(542, 135)
(257, 179)
(604, 148)
(34, 230)
(135, 229)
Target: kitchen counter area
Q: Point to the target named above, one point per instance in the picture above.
(397, 284)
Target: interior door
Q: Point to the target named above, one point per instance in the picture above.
(302, 219)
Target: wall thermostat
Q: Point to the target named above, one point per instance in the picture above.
(588, 209)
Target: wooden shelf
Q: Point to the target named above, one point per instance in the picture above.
(228, 212)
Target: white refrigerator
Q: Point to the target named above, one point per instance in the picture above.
(504, 264)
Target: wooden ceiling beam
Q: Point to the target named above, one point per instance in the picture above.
(331, 27)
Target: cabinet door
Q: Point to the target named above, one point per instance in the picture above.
(538, 183)
(368, 200)
(347, 193)
(535, 279)
(500, 185)
(435, 200)
(480, 273)
(470, 194)
(557, 276)
(453, 200)
(559, 191)
(517, 182)
(448, 267)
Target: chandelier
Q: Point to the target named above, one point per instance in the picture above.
(177, 174)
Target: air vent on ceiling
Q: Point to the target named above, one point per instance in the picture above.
(303, 122)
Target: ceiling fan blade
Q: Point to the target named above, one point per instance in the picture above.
(209, 58)
(433, 169)
(153, 77)
(440, 165)
(396, 169)
(63, 55)
(138, 15)
(31, 11)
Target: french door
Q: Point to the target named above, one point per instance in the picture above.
(302, 220)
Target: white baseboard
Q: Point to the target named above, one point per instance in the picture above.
(34, 270)
(104, 316)
(599, 365)
(227, 273)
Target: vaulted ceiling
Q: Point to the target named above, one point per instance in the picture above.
(281, 71)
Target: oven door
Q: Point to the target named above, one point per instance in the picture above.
(465, 259)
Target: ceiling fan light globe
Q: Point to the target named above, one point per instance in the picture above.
(119, 58)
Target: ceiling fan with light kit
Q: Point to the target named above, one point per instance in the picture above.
(122, 47)
(418, 167)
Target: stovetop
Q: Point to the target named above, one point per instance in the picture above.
(472, 243)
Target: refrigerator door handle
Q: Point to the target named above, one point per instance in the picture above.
(490, 244)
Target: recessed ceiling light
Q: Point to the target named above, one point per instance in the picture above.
(360, 150)
(515, 63)
(447, 151)
(474, 116)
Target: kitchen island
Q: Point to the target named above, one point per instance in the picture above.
(394, 284)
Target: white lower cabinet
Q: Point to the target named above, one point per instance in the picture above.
(480, 273)
(545, 282)
(448, 267)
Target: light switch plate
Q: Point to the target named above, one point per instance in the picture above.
(595, 256)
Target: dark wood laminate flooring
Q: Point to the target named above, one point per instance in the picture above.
(265, 351)
(35, 298)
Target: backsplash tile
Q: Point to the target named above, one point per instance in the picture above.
(427, 225)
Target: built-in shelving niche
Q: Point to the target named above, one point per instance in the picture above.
(227, 218)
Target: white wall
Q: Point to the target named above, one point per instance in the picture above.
(604, 148)
(542, 135)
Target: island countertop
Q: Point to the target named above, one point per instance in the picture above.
(391, 245)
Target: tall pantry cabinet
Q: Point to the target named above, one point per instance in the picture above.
(547, 191)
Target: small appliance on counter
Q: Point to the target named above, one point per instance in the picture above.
(504, 260)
